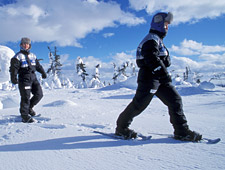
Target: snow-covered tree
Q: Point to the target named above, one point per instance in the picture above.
(115, 74)
(133, 68)
(66, 83)
(219, 78)
(95, 81)
(54, 61)
(186, 73)
(80, 67)
(54, 71)
(123, 69)
(191, 76)
(120, 72)
(5, 56)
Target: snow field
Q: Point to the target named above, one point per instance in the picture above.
(64, 139)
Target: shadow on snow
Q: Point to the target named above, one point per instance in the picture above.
(80, 142)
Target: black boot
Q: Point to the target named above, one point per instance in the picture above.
(27, 119)
(126, 133)
(188, 135)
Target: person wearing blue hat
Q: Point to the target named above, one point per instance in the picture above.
(152, 57)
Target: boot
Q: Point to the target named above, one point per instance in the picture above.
(188, 135)
(27, 119)
(126, 133)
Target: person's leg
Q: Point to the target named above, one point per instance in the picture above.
(170, 97)
(140, 101)
(25, 90)
(37, 96)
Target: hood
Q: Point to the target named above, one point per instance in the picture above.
(159, 19)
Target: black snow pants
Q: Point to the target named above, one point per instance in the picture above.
(144, 94)
(26, 87)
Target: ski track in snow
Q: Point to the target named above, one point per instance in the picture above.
(64, 140)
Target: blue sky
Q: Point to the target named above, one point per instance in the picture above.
(111, 29)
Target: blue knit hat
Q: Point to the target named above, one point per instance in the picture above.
(159, 19)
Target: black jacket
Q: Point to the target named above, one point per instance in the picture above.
(19, 65)
(153, 59)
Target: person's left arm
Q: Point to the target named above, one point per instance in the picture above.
(40, 69)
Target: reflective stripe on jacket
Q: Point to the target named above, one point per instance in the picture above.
(22, 58)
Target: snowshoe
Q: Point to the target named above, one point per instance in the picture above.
(188, 136)
(126, 133)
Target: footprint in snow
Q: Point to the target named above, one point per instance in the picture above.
(49, 126)
(93, 126)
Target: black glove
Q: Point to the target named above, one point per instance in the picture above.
(165, 79)
(159, 72)
(44, 75)
(14, 80)
(166, 60)
(162, 74)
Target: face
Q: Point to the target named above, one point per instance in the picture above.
(25, 46)
(166, 26)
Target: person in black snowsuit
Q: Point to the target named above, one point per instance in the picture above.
(153, 58)
(24, 64)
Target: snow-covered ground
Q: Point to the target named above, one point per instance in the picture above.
(65, 141)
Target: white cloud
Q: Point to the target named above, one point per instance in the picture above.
(214, 58)
(91, 61)
(64, 22)
(120, 58)
(190, 47)
(209, 58)
(183, 51)
(187, 47)
(180, 63)
(184, 11)
(106, 35)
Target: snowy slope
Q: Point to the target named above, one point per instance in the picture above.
(64, 139)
